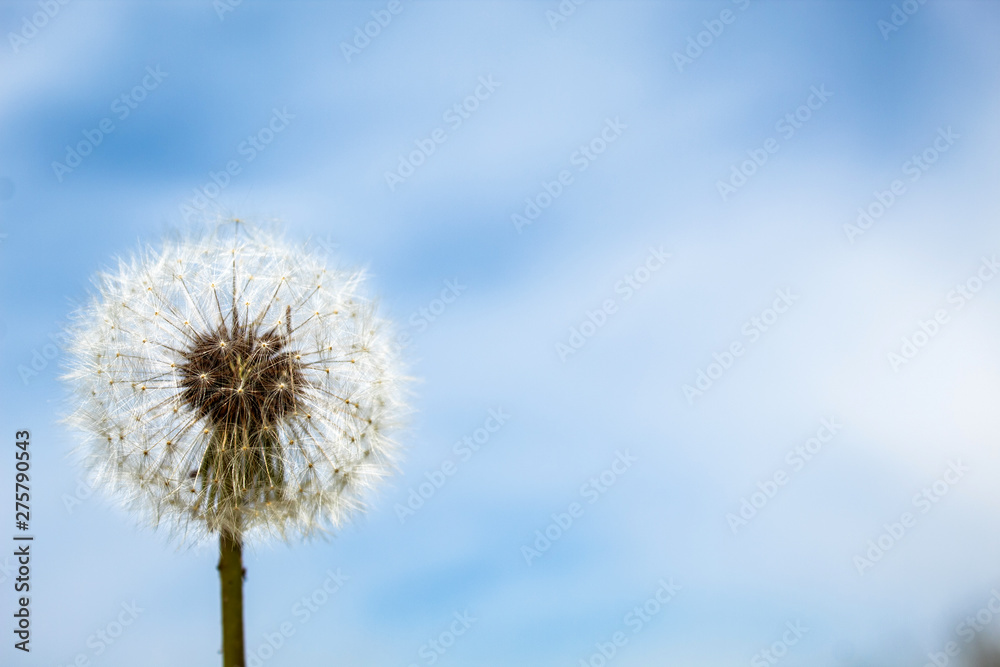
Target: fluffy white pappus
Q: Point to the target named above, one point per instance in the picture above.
(231, 382)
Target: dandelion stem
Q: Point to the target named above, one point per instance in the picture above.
(231, 578)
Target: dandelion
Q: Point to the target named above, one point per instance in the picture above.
(229, 384)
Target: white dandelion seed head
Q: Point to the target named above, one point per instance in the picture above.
(231, 382)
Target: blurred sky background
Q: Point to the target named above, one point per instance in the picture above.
(226, 68)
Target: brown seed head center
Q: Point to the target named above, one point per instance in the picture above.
(240, 378)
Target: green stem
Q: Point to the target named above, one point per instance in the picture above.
(231, 577)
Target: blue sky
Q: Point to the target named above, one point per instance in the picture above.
(203, 83)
